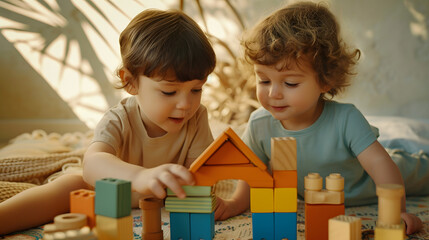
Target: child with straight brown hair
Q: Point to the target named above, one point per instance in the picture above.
(149, 138)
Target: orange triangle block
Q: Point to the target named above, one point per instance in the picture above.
(227, 154)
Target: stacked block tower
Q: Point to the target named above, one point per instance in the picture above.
(389, 225)
(192, 217)
(322, 204)
(113, 209)
(274, 209)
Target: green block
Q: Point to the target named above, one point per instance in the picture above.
(191, 204)
(113, 198)
(194, 191)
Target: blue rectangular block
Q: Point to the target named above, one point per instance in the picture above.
(180, 226)
(202, 226)
(285, 226)
(263, 226)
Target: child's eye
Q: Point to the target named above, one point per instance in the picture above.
(291, 84)
(263, 81)
(197, 90)
(168, 93)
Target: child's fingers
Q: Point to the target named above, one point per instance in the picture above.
(185, 177)
(170, 181)
(157, 188)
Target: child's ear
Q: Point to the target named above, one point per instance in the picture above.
(127, 80)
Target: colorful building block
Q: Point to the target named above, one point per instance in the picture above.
(114, 228)
(202, 226)
(83, 201)
(344, 227)
(151, 218)
(285, 178)
(113, 198)
(285, 226)
(194, 191)
(180, 226)
(191, 204)
(283, 153)
(261, 200)
(317, 217)
(285, 200)
(263, 226)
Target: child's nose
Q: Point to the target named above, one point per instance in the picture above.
(275, 92)
(184, 102)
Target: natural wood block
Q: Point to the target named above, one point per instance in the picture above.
(283, 153)
(323, 197)
(389, 203)
(345, 228)
(391, 232)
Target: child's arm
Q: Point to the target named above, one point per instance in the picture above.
(238, 203)
(100, 162)
(381, 168)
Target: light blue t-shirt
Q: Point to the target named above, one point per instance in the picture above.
(330, 145)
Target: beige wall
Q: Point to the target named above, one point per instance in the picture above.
(393, 76)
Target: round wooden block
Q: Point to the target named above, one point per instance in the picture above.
(313, 182)
(151, 203)
(335, 182)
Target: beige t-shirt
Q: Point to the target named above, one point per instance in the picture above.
(123, 129)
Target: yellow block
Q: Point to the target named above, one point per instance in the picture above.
(392, 232)
(114, 228)
(261, 200)
(285, 200)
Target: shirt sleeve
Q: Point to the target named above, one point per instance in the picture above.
(359, 134)
(109, 131)
(203, 135)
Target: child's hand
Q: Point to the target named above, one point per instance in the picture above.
(223, 209)
(155, 180)
(412, 222)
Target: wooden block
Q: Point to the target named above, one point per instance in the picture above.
(283, 153)
(323, 197)
(285, 200)
(285, 226)
(114, 228)
(151, 218)
(191, 204)
(112, 198)
(202, 226)
(66, 221)
(313, 181)
(227, 154)
(317, 217)
(345, 228)
(194, 191)
(392, 232)
(83, 201)
(263, 226)
(285, 178)
(261, 200)
(210, 150)
(389, 203)
(180, 226)
(334, 182)
(255, 177)
(84, 233)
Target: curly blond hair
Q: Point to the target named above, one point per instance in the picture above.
(303, 31)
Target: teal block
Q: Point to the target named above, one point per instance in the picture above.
(202, 226)
(113, 197)
(180, 226)
(285, 226)
(263, 226)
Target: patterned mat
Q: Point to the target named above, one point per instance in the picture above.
(240, 227)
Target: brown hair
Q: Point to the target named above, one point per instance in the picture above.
(303, 31)
(157, 42)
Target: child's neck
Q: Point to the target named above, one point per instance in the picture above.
(305, 121)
